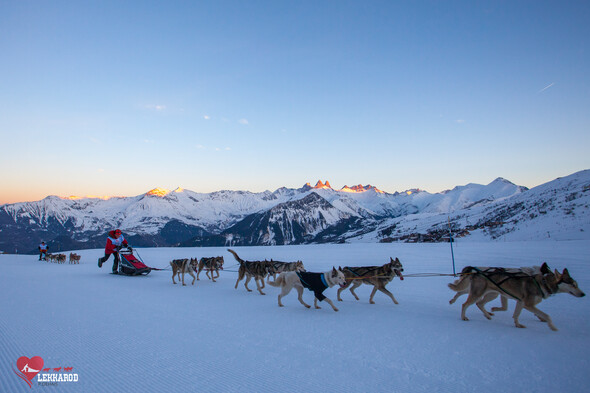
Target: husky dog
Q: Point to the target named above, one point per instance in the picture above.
(464, 282)
(184, 266)
(212, 264)
(378, 276)
(74, 258)
(56, 258)
(280, 267)
(316, 282)
(252, 269)
(527, 289)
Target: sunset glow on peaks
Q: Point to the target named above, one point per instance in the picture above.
(103, 197)
(359, 188)
(160, 192)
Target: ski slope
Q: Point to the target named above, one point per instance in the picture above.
(144, 334)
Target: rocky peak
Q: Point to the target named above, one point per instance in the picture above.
(319, 184)
(361, 188)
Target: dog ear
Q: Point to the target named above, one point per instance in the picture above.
(545, 268)
(566, 273)
(557, 275)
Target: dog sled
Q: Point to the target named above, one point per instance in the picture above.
(129, 265)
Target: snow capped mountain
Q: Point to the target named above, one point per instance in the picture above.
(294, 222)
(462, 197)
(304, 215)
(557, 210)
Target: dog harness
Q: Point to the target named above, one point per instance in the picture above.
(315, 282)
(515, 275)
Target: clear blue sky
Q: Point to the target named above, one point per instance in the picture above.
(118, 97)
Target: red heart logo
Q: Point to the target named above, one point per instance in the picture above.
(29, 367)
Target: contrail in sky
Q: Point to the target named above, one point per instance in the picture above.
(546, 87)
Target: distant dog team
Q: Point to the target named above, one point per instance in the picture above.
(55, 258)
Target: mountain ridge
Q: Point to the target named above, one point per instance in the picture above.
(308, 214)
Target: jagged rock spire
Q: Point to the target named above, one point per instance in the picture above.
(319, 184)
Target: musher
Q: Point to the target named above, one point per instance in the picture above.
(115, 241)
(43, 251)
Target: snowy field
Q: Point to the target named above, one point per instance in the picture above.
(144, 334)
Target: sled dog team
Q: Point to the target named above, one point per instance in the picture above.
(528, 286)
(61, 258)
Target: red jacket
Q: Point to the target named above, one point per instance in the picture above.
(113, 242)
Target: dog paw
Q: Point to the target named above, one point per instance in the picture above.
(518, 325)
(371, 302)
(465, 318)
(336, 310)
(307, 306)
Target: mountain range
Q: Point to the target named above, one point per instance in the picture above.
(318, 214)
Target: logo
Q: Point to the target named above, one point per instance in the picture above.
(28, 368)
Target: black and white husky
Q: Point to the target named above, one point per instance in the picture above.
(316, 282)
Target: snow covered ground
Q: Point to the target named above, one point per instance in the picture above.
(143, 334)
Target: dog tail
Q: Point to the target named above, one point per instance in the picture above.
(276, 283)
(462, 283)
(236, 256)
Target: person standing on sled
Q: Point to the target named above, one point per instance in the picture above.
(43, 251)
(115, 241)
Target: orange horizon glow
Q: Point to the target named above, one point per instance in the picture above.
(162, 192)
(103, 197)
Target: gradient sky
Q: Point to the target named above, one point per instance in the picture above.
(119, 97)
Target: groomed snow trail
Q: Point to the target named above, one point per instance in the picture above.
(144, 334)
